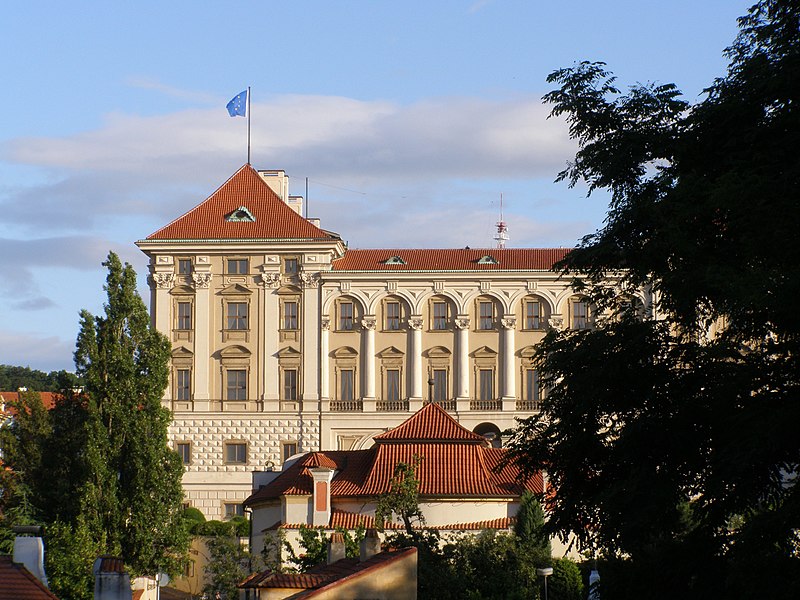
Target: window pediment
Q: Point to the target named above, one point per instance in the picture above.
(391, 352)
(288, 352)
(182, 352)
(181, 290)
(484, 352)
(235, 290)
(527, 352)
(345, 352)
(234, 352)
(437, 352)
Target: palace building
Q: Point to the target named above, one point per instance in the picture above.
(286, 341)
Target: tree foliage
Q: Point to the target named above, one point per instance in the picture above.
(97, 466)
(672, 441)
(314, 542)
(402, 499)
(12, 378)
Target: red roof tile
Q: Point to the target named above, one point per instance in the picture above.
(351, 520)
(48, 398)
(455, 463)
(325, 575)
(274, 219)
(467, 259)
(17, 583)
(430, 423)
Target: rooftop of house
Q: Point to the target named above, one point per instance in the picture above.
(455, 462)
(242, 208)
(324, 577)
(17, 583)
(6, 398)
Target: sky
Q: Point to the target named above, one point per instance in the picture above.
(409, 120)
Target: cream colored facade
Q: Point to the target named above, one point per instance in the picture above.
(276, 351)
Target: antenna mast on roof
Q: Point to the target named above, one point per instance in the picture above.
(501, 237)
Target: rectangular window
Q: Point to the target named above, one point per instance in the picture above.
(532, 392)
(486, 384)
(236, 384)
(290, 384)
(346, 380)
(439, 385)
(393, 384)
(184, 315)
(533, 315)
(392, 316)
(579, 314)
(233, 510)
(290, 266)
(290, 315)
(184, 266)
(237, 315)
(486, 320)
(183, 384)
(184, 449)
(288, 449)
(439, 316)
(346, 316)
(235, 453)
(237, 266)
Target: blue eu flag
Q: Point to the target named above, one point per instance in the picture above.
(237, 107)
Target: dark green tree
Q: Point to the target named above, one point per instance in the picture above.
(230, 563)
(672, 441)
(130, 491)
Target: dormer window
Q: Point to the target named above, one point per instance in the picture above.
(240, 215)
(394, 260)
(486, 259)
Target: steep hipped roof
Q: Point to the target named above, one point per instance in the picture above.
(430, 423)
(466, 259)
(17, 583)
(455, 463)
(264, 215)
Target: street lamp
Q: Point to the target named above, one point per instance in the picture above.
(546, 572)
(430, 390)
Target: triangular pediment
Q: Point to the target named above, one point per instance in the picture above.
(182, 352)
(235, 290)
(288, 351)
(390, 352)
(527, 352)
(484, 352)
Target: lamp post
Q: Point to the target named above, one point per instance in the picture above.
(430, 390)
(546, 572)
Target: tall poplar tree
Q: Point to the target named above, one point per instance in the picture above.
(130, 491)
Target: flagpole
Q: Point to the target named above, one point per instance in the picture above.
(248, 124)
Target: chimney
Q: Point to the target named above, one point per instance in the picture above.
(370, 545)
(111, 582)
(321, 509)
(29, 551)
(336, 548)
(278, 181)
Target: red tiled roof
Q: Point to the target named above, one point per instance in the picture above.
(467, 259)
(17, 583)
(48, 398)
(274, 219)
(431, 422)
(455, 463)
(351, 520)
(324, 576)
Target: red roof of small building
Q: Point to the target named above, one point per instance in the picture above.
(466, 259)
(274, 219)
(48, 398)
(455, 463)
(17, 583)
(350, 520)
(324, 576)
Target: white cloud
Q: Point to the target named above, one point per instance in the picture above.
(45, 353)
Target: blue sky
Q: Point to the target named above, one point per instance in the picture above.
(409, 120)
